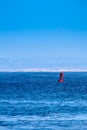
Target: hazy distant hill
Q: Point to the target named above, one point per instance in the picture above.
(42, 62)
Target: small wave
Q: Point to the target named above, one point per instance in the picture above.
(48, 117)
(52, 122)
(48, 103)
(3, 128)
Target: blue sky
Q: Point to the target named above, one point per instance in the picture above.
(43, 31)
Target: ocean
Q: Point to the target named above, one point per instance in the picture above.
(37, 101)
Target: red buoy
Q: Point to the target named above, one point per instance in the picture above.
(61, 77)
(60, 80)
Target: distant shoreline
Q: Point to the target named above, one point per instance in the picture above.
(46, 70)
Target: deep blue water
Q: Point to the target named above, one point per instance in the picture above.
(36, 101)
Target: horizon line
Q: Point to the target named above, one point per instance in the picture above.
(44, 70)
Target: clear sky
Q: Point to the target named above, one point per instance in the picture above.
(44, 29)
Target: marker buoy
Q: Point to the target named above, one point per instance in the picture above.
(60, 80)
(61, 77)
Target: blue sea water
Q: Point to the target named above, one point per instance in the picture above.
(36, 101)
